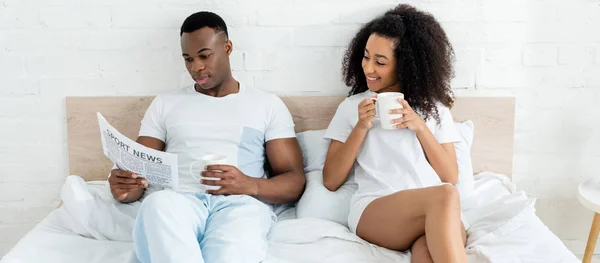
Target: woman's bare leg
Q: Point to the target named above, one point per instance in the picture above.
(397, 220)
(420, 251)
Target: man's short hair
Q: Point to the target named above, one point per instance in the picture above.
(204, 19)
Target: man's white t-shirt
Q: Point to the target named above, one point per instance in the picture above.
(238, 125)
(389, 161)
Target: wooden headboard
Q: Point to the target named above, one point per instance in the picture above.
(492, 146)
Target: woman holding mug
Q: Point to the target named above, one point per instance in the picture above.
(406, 171)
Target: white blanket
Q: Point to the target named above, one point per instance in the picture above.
(504, 228)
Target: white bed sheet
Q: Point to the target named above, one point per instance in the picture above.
(504, 228)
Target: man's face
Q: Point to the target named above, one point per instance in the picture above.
(206, 56)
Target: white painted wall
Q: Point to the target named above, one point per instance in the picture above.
(544, 52)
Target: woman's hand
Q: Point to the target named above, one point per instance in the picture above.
(410, 119)
(366, 113)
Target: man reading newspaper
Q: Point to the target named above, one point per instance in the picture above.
(217, 115)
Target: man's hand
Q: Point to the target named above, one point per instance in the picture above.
(233, 181)
(125, 186)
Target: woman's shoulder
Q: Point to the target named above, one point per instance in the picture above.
(443, 112)
(347, 109)
(441, 108)
(355, 99)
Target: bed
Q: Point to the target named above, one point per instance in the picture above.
(94, 227)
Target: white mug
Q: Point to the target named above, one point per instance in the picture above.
(210, 159)
(385, 102)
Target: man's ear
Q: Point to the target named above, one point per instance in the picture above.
(228, 47)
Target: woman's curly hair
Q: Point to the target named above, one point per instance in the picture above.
(423, 53)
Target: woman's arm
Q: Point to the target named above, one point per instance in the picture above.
(442, 157)
(341, 155)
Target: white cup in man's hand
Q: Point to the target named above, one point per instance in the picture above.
(385, 102)
(210, 159)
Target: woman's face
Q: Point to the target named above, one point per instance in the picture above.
(379, 64)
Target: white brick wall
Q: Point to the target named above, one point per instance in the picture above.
(540, 55)
(546, 53)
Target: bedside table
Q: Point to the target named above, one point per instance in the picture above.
(589, 196)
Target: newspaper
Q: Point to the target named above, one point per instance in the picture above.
(159, 168)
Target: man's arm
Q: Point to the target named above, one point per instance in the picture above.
(122, 182)
(287, 183)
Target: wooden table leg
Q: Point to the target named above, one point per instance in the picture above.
(591, 243)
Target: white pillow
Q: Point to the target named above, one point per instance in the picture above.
(465, 182)
(314, 149)
(90, 211)
(318, 202)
